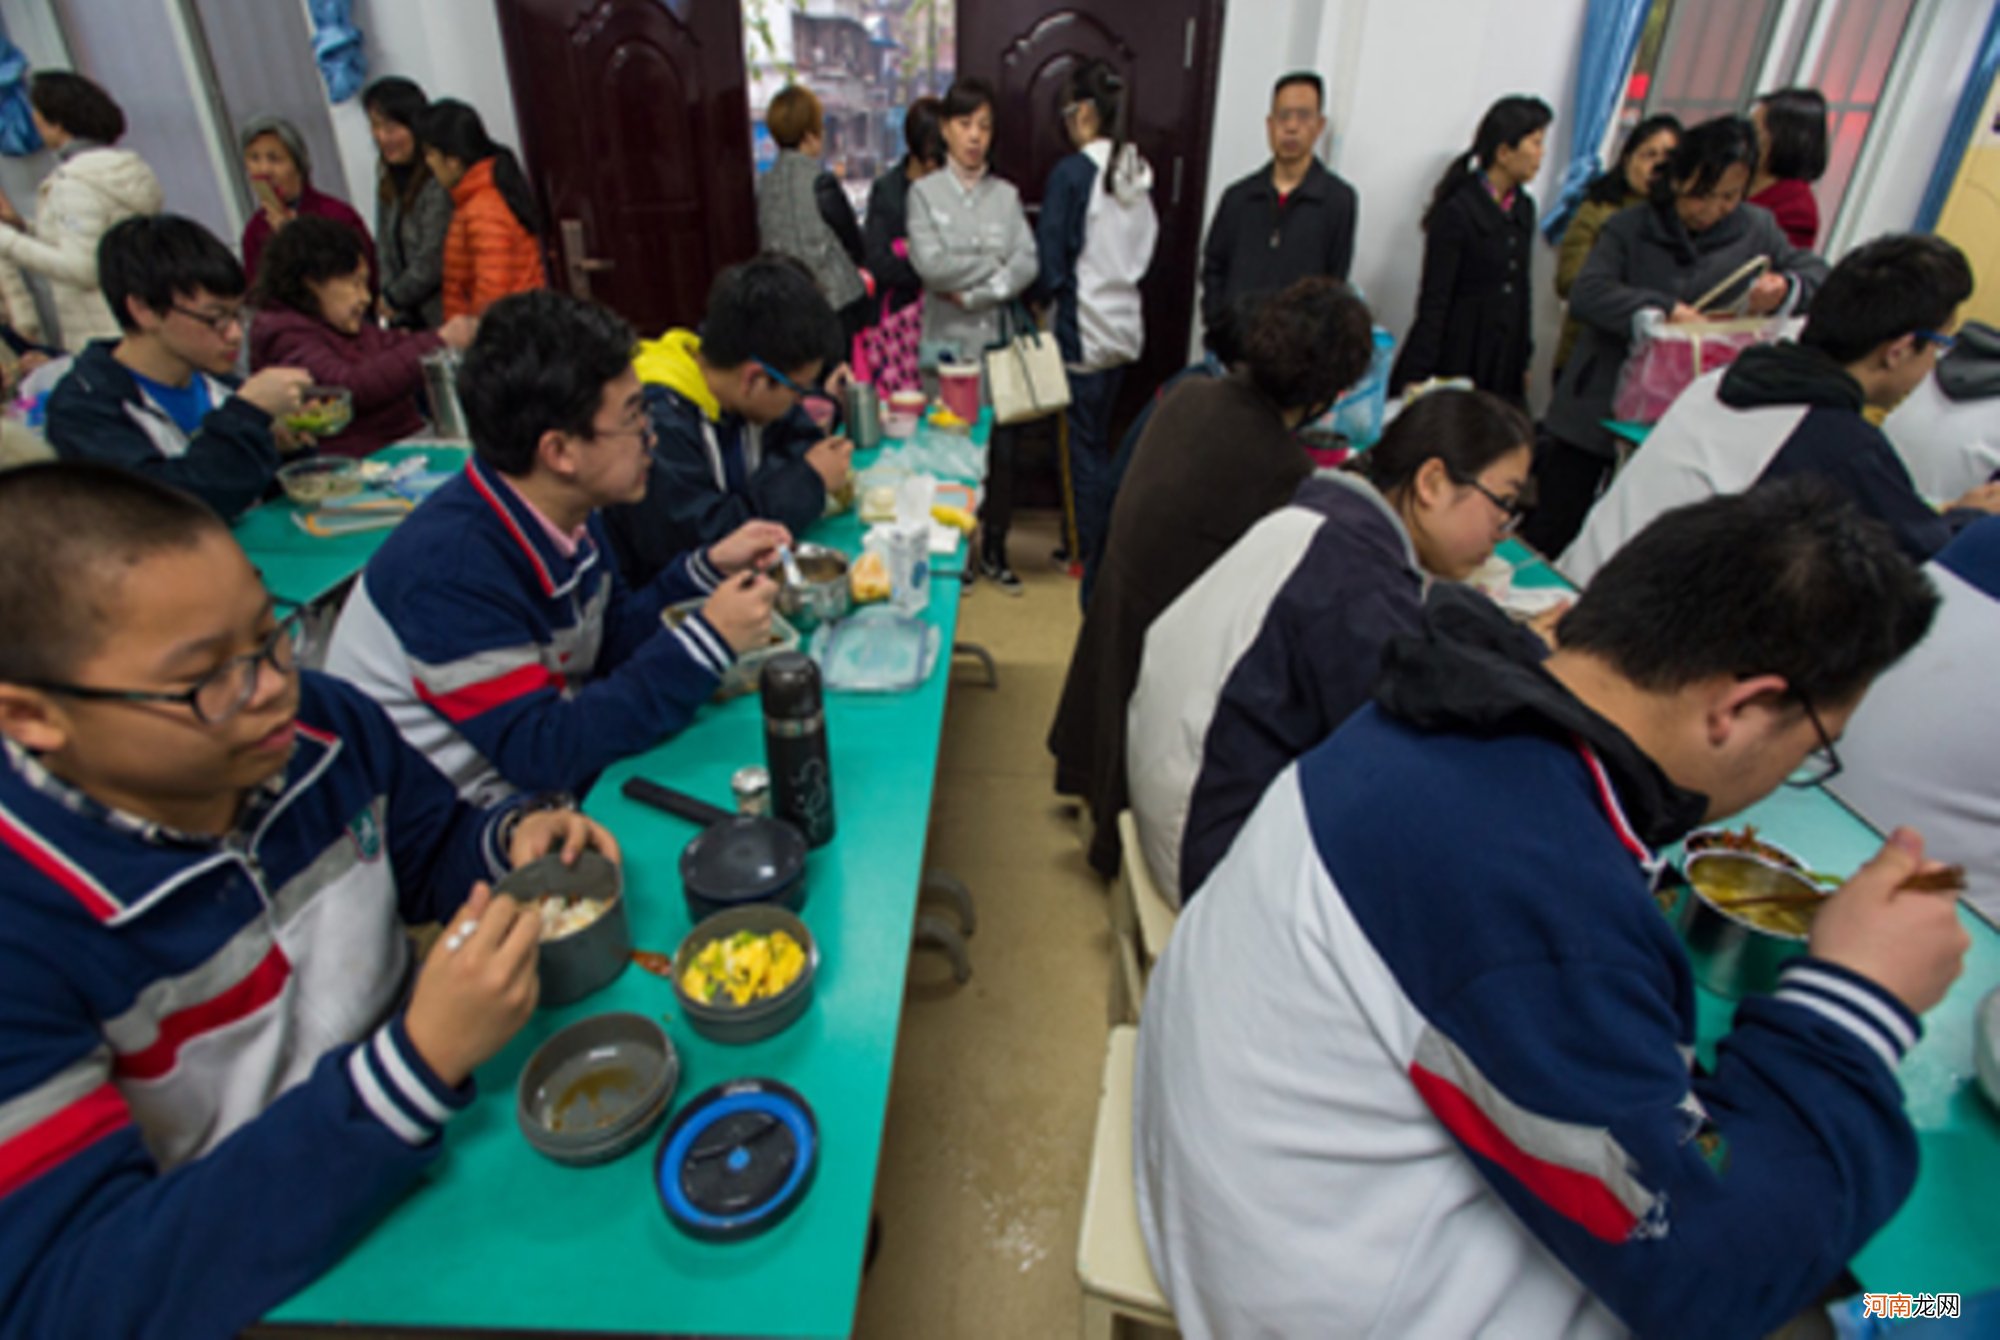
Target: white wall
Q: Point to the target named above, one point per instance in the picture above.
(452, 48)
(1407, 81)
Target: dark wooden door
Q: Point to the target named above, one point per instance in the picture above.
(636, 127)
(1168, 51)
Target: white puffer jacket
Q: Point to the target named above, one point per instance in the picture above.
(90, 190)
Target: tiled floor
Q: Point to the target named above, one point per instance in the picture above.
(995, 1093)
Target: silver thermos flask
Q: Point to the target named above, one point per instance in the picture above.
(864, 416)
(441, 389)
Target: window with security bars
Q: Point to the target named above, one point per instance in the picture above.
(1704, 58)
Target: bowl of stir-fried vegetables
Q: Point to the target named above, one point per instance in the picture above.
(746, 973)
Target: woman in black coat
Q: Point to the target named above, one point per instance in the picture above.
(885, 235)
(1473, 310)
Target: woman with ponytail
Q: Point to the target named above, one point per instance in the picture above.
(1095, 241)
(493, 248)
(1473, 310)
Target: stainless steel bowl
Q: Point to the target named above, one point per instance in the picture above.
(824, 597)
(727, 1022)
(1732, 956)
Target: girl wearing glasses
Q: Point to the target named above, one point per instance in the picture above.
(1282, 639)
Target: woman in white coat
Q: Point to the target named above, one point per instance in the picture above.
(93, 187)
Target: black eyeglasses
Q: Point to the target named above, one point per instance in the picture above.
(222, 692)
(215, 321)
(1823, 764)
(1514, 508)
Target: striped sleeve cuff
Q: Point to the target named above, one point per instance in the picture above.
(705, 645)
(1876, 1018)
(398, 1088)
(701, 572)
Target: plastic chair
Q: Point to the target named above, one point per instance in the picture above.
(1111, 1262)
(1141, 921)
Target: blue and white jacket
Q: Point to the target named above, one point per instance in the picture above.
(206, 1090)
(1276, 645)
(1779, 410)
(1417, 1060)
(1095, 245)
(515, 667)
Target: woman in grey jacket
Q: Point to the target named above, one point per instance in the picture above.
(1654, 260)
(970, 242)
(792, 212)
(412, 208)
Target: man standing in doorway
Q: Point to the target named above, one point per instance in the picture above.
(1288, 219)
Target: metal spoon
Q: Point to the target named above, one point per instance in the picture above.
(793, 577)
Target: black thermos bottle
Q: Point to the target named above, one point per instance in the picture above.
(795, 746)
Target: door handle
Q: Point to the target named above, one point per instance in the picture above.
(580, 265)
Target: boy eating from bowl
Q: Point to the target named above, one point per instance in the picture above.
(163, 400)
(735, 442)
(493, 624)
(1421, 1050)
(212, 1077)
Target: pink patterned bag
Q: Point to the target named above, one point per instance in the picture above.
(1663, 362)
(885, 354)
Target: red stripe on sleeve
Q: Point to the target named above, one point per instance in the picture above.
(61, 1135)
(1576, 1196)
(475, 699)
(253, 993)
(51, 864)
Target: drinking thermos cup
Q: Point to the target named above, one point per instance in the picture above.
(864, 416)
(795, 746)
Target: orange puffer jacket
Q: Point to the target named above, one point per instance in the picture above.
(487, 253)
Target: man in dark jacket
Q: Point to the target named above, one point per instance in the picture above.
(1785, 409)
(734, 444)
(161, 401)
(1288, 219)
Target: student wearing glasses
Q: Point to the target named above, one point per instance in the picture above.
(210, 1014)
(163, 400)
(1874, 332)
(734, 441)
(1281, 640)
(493, 624)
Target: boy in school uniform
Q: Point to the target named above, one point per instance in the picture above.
(163, 400)
(493, 624)
(734, 443)
(212, 1077)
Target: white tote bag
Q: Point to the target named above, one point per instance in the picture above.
(1025, 377)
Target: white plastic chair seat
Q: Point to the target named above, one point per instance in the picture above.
(1111, 1261)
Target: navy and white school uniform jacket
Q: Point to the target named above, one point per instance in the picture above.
(1095, 245)
(1416, 1062)
(1947, 430)
(1271, 649)
(1921, 748)
(1779, 410)
(206, 1088)
(511, 665)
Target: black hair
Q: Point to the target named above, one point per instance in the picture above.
(1309, 343)
(309, 250)
(967, 96)
(79, 106)
(73, 528)
(1609, 187)
(540, 363)
(767, 308)
(401, 100)
(1467, 430)
(153, 257)
(1097, 83)
(1305, 77)
(923, 130)
(1705, 154)
(1787, 579)
(455, 130)
(1795, 130)
(1507, 122)
(1884, 290)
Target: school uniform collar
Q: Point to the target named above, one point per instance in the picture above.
(557, 572)
(93, 850)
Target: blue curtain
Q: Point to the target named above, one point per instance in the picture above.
(1964, 124)
(17, 129)
(337, 48)
(1610, 37)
